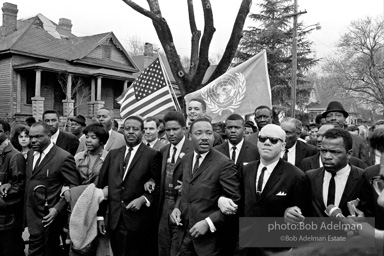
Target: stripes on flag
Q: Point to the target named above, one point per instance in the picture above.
(148, 95)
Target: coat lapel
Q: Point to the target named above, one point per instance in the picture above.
(203, 165)
(243, 153)
(110, 141)
(352, 182)
(184, 150)
(46, 159)
(252, 181)
(318, 186)
(136, 157)
(121, 161)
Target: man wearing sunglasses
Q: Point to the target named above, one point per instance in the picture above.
(337, 182)
(271, 185)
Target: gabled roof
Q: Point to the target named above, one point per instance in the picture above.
(40, 37)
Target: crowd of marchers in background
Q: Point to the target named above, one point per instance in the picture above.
(178, 186)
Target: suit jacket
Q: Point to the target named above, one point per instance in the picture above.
(68, 142)
(116, 140)
(215, 177)
(177, 173)
(303, 150)
(379, 210)
(285, 178)
(357, 186)
(248, 153)
(360, 149)
(312, 162)
(145, 165)
(56, 170)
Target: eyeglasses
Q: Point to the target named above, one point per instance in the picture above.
(263, 139)
(377, 183)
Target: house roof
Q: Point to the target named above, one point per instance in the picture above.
(40, 37)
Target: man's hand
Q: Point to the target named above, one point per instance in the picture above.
(4, 189)
(175, 217)
(47, 220)
(179, 187)
(293, 215)
(149, 186)
(199, 229)
(227, 206)
(101, 227)
(136, 204)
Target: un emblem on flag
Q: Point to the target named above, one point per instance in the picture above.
(225, 93)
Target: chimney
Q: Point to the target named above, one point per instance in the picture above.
(65, 24)
(148, 49)
(9, 18)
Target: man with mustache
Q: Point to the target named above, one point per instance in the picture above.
(207, 175)
(131, 208)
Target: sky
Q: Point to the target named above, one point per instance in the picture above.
(99, 16)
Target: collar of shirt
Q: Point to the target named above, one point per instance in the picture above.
(55, 136)
(133, 152)
(178, 149)
(320, 162)
(202, 157)
(152, 143)
(238, 148)
(291, 156)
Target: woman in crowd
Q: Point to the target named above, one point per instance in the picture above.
(20, 139)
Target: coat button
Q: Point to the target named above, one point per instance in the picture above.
(122, 201)
(122, 188)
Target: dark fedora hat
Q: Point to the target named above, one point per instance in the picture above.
(79, 119)
(335, 106)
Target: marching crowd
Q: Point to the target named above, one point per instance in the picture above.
(168, 187)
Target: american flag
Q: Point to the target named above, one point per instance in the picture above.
(148, 95)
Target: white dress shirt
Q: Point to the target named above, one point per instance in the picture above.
(267, 173)
(238, 148)
(291, 156)
(340, 181)
(55, 136)
(133, 152)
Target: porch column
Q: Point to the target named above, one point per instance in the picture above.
(38, 101)
(68, 103)
(98, 95)
(18, 93)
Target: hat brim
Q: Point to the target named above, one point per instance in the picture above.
(341, 111)
(78, 121)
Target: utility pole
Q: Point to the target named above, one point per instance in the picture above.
(294, 61)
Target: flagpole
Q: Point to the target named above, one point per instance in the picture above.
(172, 92)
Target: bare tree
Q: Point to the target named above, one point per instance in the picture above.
(358, 68)
(189, 81)
(135, 45)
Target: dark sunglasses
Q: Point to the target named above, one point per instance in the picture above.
(377, 183)
(263, 139)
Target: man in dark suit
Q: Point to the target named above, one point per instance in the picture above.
(314, 162)
(124, 171)
(48, 168)
(263, 116)
(270, 185)
(207, 175)
(336, 115)
(172, 155)
(295, 150)
(241, 152)
(62, 139)
(337, 182)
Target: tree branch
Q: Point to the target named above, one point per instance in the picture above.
(196, 34)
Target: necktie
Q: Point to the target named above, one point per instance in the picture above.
(37, 162)
(174, 155)
(126, 159)
(234, 154)
(197, 164)
(261, 180)
(285, 156)
(331, 189)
